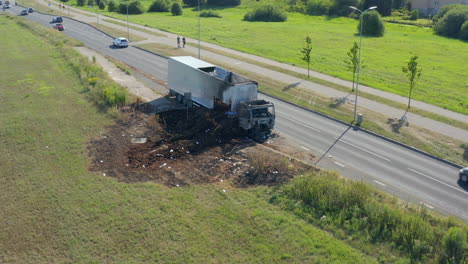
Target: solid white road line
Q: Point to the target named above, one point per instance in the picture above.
(308, 149)
(295, 121)
(427, 205)
(448, 185)
(339, 164)
(365, 150)
(379, 183)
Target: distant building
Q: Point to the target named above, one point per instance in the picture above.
(432, 7)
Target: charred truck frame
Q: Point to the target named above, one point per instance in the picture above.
(194, 81)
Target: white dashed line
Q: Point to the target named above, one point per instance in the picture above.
(339, 164)
(365, 150)
(448, 185)
(308, 149)
(379, 183)
(427, 205)
(290, 119)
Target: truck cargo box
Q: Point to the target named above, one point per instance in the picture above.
(207, 82)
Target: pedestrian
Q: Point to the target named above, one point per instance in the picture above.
(183, 42)
(178, 41)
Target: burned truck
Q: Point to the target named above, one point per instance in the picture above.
(197, 83)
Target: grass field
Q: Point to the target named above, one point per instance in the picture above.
(443, 82)
(55, 211)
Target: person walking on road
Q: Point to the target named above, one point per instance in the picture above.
(183, 42)
(178, 41)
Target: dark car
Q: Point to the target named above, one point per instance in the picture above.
(59, 27)
(24, 12)
(30, 10)
(57, 19)
(463, 174)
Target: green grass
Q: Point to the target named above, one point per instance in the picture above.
(443, 82)
(55, 211)
(436, 144)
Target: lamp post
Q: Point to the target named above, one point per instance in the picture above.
(128, 29)
(199, 29)
(359, 60)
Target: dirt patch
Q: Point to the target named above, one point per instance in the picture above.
(187, 147)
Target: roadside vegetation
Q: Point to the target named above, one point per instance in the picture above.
(442, 84)
(55, 210)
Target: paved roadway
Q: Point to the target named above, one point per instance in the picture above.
(354, 153)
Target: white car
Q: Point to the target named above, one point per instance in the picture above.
(463, 175)
(121, 42)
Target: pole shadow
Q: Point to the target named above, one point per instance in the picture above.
(334, 143)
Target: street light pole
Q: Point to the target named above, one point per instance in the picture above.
(128, 29)
(359, 57)
(198, 29)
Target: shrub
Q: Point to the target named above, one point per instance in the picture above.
(194, 2)
(134, 8)
(209, 13)
(80, 2)
(464, 31)
(224, 2)
(319, 8)
(450, 24)
(102, 5)
(111, 7)
(372, 24)
(90, 2)
(414, 15)
(297, 6)
(341, 7)
(267, 13)
(176, 9)
(160, 6)
(115, 96)
(454, 246)
(443, 10)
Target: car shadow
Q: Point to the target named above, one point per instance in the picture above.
(463, 185)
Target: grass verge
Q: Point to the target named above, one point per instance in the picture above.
(117, 32)
(136, 28)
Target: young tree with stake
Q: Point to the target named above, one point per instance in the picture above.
(413, 72)
(353, 61)
(306, 54)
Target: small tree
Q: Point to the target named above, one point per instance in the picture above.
(413, 72)
(454, 246)
(80, 2)
(353, 61)
(176, 9)
(90, 2)
(306, 53)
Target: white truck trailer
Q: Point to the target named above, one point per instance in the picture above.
(195, 81)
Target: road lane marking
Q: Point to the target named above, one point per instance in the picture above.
(379, 183)
(427, 205)
(339, 164)
(308, 149)
(365, 150)
(448, 185)
(304, 125)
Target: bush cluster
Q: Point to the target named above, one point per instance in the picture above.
(213, 2)
(267, 13)
(335, 203)
(210, 13)
(134, 8)
(372, 24)
(111, 6)
(451, 21)
(160, 6)
(176, 9)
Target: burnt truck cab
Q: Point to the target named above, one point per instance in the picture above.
(257, 118)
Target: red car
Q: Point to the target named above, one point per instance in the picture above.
(59, 27)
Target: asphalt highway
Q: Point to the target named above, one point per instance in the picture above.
(354, 153)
